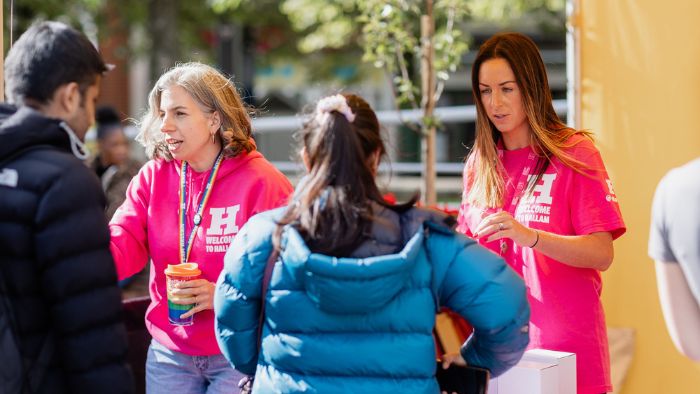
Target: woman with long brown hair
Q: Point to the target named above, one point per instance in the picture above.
(537, 193)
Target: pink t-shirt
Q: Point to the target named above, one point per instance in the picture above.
(147, 224)
(566, 313)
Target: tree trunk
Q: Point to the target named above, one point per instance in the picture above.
(428, 193)
(428, 156)
(165, 48)
(236, 56)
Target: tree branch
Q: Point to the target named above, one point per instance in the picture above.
(404, 73)
(413, 126)
(448, 31)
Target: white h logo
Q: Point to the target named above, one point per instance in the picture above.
(544, 189)
(218, 220)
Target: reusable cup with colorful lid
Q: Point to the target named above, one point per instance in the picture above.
(177, 273)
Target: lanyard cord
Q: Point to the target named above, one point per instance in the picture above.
(522, 179)
(186, 242)
(519, 189)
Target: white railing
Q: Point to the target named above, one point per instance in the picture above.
(466, 113)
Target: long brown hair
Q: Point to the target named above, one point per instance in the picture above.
(549, 136)
(332, 208)
(214, 93)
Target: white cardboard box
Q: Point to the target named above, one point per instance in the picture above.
(566, 366)
(531, 377)
(493, 386)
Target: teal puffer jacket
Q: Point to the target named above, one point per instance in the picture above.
(365, 324)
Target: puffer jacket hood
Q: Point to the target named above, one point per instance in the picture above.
(353, 285)
(378, 269)
(25, 127)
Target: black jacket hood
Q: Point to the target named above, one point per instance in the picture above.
(23, 127)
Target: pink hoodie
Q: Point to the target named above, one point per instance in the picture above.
(146, 225)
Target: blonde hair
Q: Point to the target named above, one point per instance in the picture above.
(549, 137)
(214, 93)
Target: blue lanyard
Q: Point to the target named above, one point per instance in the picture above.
(186, 242)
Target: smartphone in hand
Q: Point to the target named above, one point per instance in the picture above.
(462, 380)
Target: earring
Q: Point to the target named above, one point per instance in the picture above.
(212, 138)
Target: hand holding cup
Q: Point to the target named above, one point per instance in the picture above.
(199, 292)
(181, 302)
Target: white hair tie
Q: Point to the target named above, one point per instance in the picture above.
(334, 103)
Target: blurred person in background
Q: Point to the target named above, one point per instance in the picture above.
(113, 164)
(204, 180)
(56, 269)
(537, 193)
(355, 282)
(674, 243)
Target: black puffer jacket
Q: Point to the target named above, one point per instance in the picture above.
(54, 255)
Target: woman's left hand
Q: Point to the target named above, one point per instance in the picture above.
(201, 290)
(503, 225)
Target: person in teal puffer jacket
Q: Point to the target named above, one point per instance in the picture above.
(352, 298)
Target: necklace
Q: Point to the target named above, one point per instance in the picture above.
(186, 242)
(519, 189)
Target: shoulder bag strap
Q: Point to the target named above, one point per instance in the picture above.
(269, 266)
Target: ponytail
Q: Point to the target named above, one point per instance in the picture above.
(332, 209)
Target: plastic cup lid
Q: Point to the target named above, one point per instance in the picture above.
(184, 269)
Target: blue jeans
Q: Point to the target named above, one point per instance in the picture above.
(169, 372)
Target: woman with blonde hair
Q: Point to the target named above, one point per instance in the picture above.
(537, 193)
(204, 181)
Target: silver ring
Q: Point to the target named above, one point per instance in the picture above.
(500, 226)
